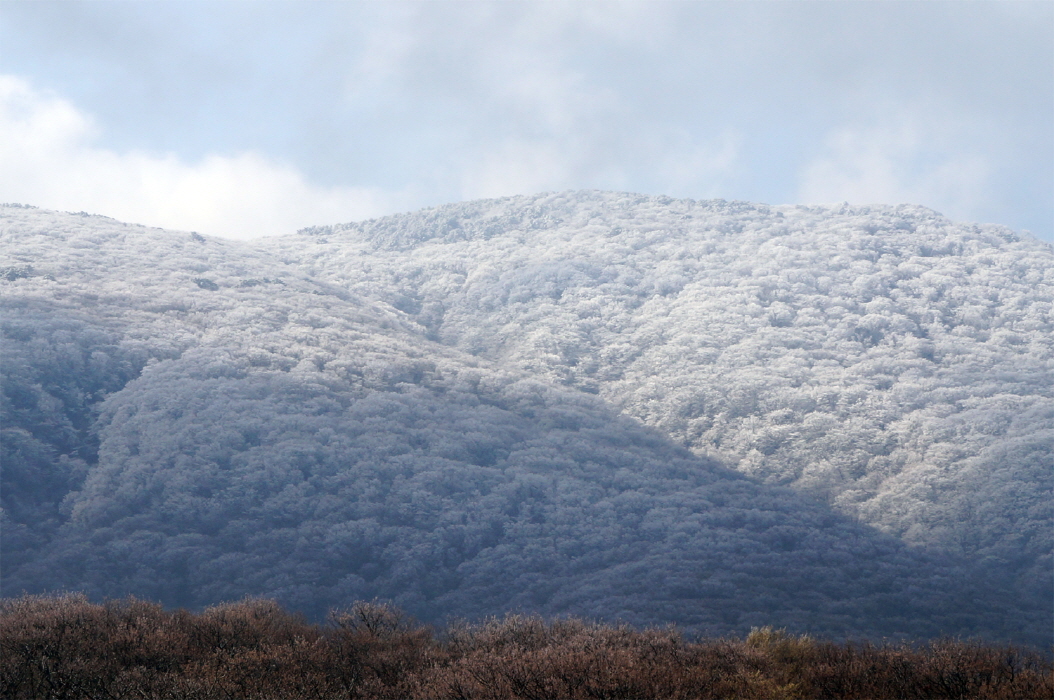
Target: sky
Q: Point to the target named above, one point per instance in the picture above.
(249, 118)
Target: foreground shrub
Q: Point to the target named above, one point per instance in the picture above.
(67, 647)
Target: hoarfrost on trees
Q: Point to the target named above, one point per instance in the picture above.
(302, 427)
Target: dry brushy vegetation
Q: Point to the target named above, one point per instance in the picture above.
(68, 647)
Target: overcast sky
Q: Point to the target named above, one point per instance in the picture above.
(245, 119)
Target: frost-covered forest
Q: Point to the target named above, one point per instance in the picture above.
(723, 415)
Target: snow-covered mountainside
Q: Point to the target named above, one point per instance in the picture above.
(717, 414)
(890, 361)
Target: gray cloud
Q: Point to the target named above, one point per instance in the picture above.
(944, 104)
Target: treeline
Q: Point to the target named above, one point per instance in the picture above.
(68, 647)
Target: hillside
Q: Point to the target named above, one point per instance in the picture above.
(893, 363)
(653, 410)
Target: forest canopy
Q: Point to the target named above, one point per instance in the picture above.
(723, 415)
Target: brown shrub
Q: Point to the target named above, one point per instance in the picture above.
(379, 650)
(67, 647)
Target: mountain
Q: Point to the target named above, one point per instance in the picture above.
(715, 414)
(888, 361)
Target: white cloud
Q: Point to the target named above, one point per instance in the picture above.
(677, 163)
(513, 101)
(47, 158)
(447, 101)
(901, 161)
(517, 167)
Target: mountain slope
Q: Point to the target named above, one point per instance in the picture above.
(197, 420)
(892, 362)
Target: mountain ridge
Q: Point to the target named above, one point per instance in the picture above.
(257, 366)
